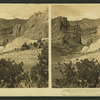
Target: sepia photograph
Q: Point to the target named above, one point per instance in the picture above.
(75, 31)
(49, 49)
(23, 46)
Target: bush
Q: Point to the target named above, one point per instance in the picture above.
(25, 46)
(88, 72)
(41, 45)
(39, 73)
(10, 73)
(39, 41)
(35, 44)
(85, 73)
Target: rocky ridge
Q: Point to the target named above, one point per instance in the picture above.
(82, 32)
(36, 27)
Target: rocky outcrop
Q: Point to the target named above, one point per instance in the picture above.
(59, 28)
(88, 39)
(94, 44)
(84, 49)
(1, 49)
(62, 32)
(5, 24)
(36, 27)
(17, 43)
(98, 31)
(6, 29)
(86, 23)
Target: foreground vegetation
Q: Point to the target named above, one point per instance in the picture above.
(12, 75)
(84, 74)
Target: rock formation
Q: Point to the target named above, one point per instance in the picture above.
(36, 27)
(59, 28)
(30, 30)
(62, 32)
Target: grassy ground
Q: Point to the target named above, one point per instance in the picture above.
(28, 57)
(59, 53)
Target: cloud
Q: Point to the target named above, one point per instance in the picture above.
(10, 11)
(5, 15)
(76, 11)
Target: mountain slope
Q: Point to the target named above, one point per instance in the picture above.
(4, 23)
(86, 23)
(59, 27)
(74, 32)
(36, 27)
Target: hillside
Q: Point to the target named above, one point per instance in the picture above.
(28, 57)
(10, 23)
(86, 23)
(36, 27)
(17, 32)
(6, 29)
(80, 32)
(17, 43)
(74, 41)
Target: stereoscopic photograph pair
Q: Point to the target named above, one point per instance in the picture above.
(25, 42)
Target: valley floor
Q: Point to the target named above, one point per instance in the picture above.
(58, 60)
(28, 57)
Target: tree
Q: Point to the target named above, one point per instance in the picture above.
(25, 46)
(39, 73)
(85, 73)
(39, 41)
(41, 44)
(88, 72)
(5, 42)
(35, 44)
(68, 76)
(10, 73)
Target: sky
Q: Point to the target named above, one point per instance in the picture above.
(76, 11)
(22, 11)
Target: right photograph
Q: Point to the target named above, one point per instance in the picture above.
(75, 31)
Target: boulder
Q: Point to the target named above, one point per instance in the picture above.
(84, 49)
(98, 31)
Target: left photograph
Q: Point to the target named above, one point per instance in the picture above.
(23, 46)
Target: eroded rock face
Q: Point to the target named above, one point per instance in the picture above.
(98, 31)
(1, 49)
(59, 28)
(36, 26)
(93, 40)
(89, 39)
(17, 43)
(6, 29)
(84, 49)
(63, 33)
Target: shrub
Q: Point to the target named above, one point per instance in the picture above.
(85, 73)
(10, 73)
(88, 72)
(39, 41)
(25, 46)
(35, 44)
(41, 45)
(39, 73)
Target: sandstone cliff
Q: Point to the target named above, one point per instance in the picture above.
(36, 27)
(83, 32)
(62, 32)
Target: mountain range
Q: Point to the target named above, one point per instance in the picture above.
(80, 32)
(34, 28)
(17, 32)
